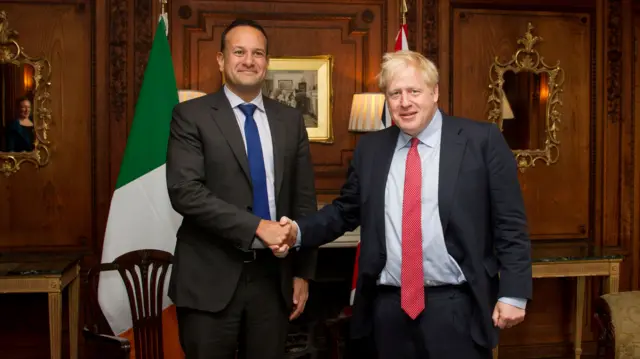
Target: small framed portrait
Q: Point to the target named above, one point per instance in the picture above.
(304, 83)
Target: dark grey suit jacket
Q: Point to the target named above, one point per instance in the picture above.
(481, 211)
(210, 186)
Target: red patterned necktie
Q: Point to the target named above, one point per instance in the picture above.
(412, 277)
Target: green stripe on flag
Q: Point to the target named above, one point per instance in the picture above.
(147, 142)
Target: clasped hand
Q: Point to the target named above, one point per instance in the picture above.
(278, 236)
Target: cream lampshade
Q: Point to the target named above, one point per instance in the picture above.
(184, 95)
(507, 113)
(366, 112)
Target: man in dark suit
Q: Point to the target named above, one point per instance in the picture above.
(237, 160)
(441, 214)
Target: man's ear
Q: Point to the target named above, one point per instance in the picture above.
(220, 58)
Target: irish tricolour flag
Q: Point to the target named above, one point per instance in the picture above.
(141, 216)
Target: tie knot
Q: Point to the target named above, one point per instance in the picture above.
(414, 142)
(247, 108)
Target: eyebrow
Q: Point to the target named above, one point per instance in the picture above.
(244, 48)
(405, 88)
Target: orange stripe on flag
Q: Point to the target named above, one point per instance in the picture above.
(170, 339)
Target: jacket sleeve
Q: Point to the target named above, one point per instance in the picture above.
(339, 217)
(512, 244)
(304, 202)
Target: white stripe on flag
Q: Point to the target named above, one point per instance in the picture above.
(140, 217)
(405, 43)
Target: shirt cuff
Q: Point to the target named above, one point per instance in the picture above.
(298, 237)
(516, 302)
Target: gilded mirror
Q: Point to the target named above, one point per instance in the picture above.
(524, 100)
(24, 108)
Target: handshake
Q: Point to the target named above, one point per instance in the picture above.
(278, 236)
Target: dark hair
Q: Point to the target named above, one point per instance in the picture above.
(21, 99)
(243, 22)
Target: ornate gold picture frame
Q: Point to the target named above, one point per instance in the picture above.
(304, 83)
(528, 62)
(31, 76)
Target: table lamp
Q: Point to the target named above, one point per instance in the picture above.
(367, 112)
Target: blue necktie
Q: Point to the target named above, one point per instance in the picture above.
(256, 163)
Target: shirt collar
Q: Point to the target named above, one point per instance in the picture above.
(235, 100)
(430, 136)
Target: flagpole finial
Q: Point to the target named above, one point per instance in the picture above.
(403, 11)
(163, 3)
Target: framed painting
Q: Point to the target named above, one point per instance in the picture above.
(304, 83)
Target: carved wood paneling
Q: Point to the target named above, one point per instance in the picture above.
(413, 19)
(51, 208)
(609, 150)
(118, 70)
(422, 23)
(142, 40)
(614, 60)
(608, 165)
(118, 41)
(621, 132)
(556, 199)
(131, 25)
(635, 133)
(618, 129)
(609, 125)
(56, 209)
(430, 30)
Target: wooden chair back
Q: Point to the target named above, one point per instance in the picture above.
(143, 273)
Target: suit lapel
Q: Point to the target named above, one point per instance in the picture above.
(452, 147)
(226, 121)
(380, 171)
(278, 137)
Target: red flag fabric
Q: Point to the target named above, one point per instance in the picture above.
(401, 39)
(355, 276)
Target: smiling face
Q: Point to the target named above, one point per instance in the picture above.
(412, 103)
(24, 110)
(410, 84)
(244, 60)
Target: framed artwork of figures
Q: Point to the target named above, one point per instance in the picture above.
(304, 83)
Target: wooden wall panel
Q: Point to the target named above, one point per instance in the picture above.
(556, 196)
(635, 217)
(59, 207)
(353, 33)
(51, 208)
(592, 40)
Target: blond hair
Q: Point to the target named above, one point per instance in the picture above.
(394, 62)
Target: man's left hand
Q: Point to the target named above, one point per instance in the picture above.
(506, 315)
(300, 296)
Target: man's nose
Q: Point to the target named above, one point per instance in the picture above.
(404, 100)
(248, 59)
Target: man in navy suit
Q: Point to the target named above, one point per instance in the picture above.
(441, 215)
